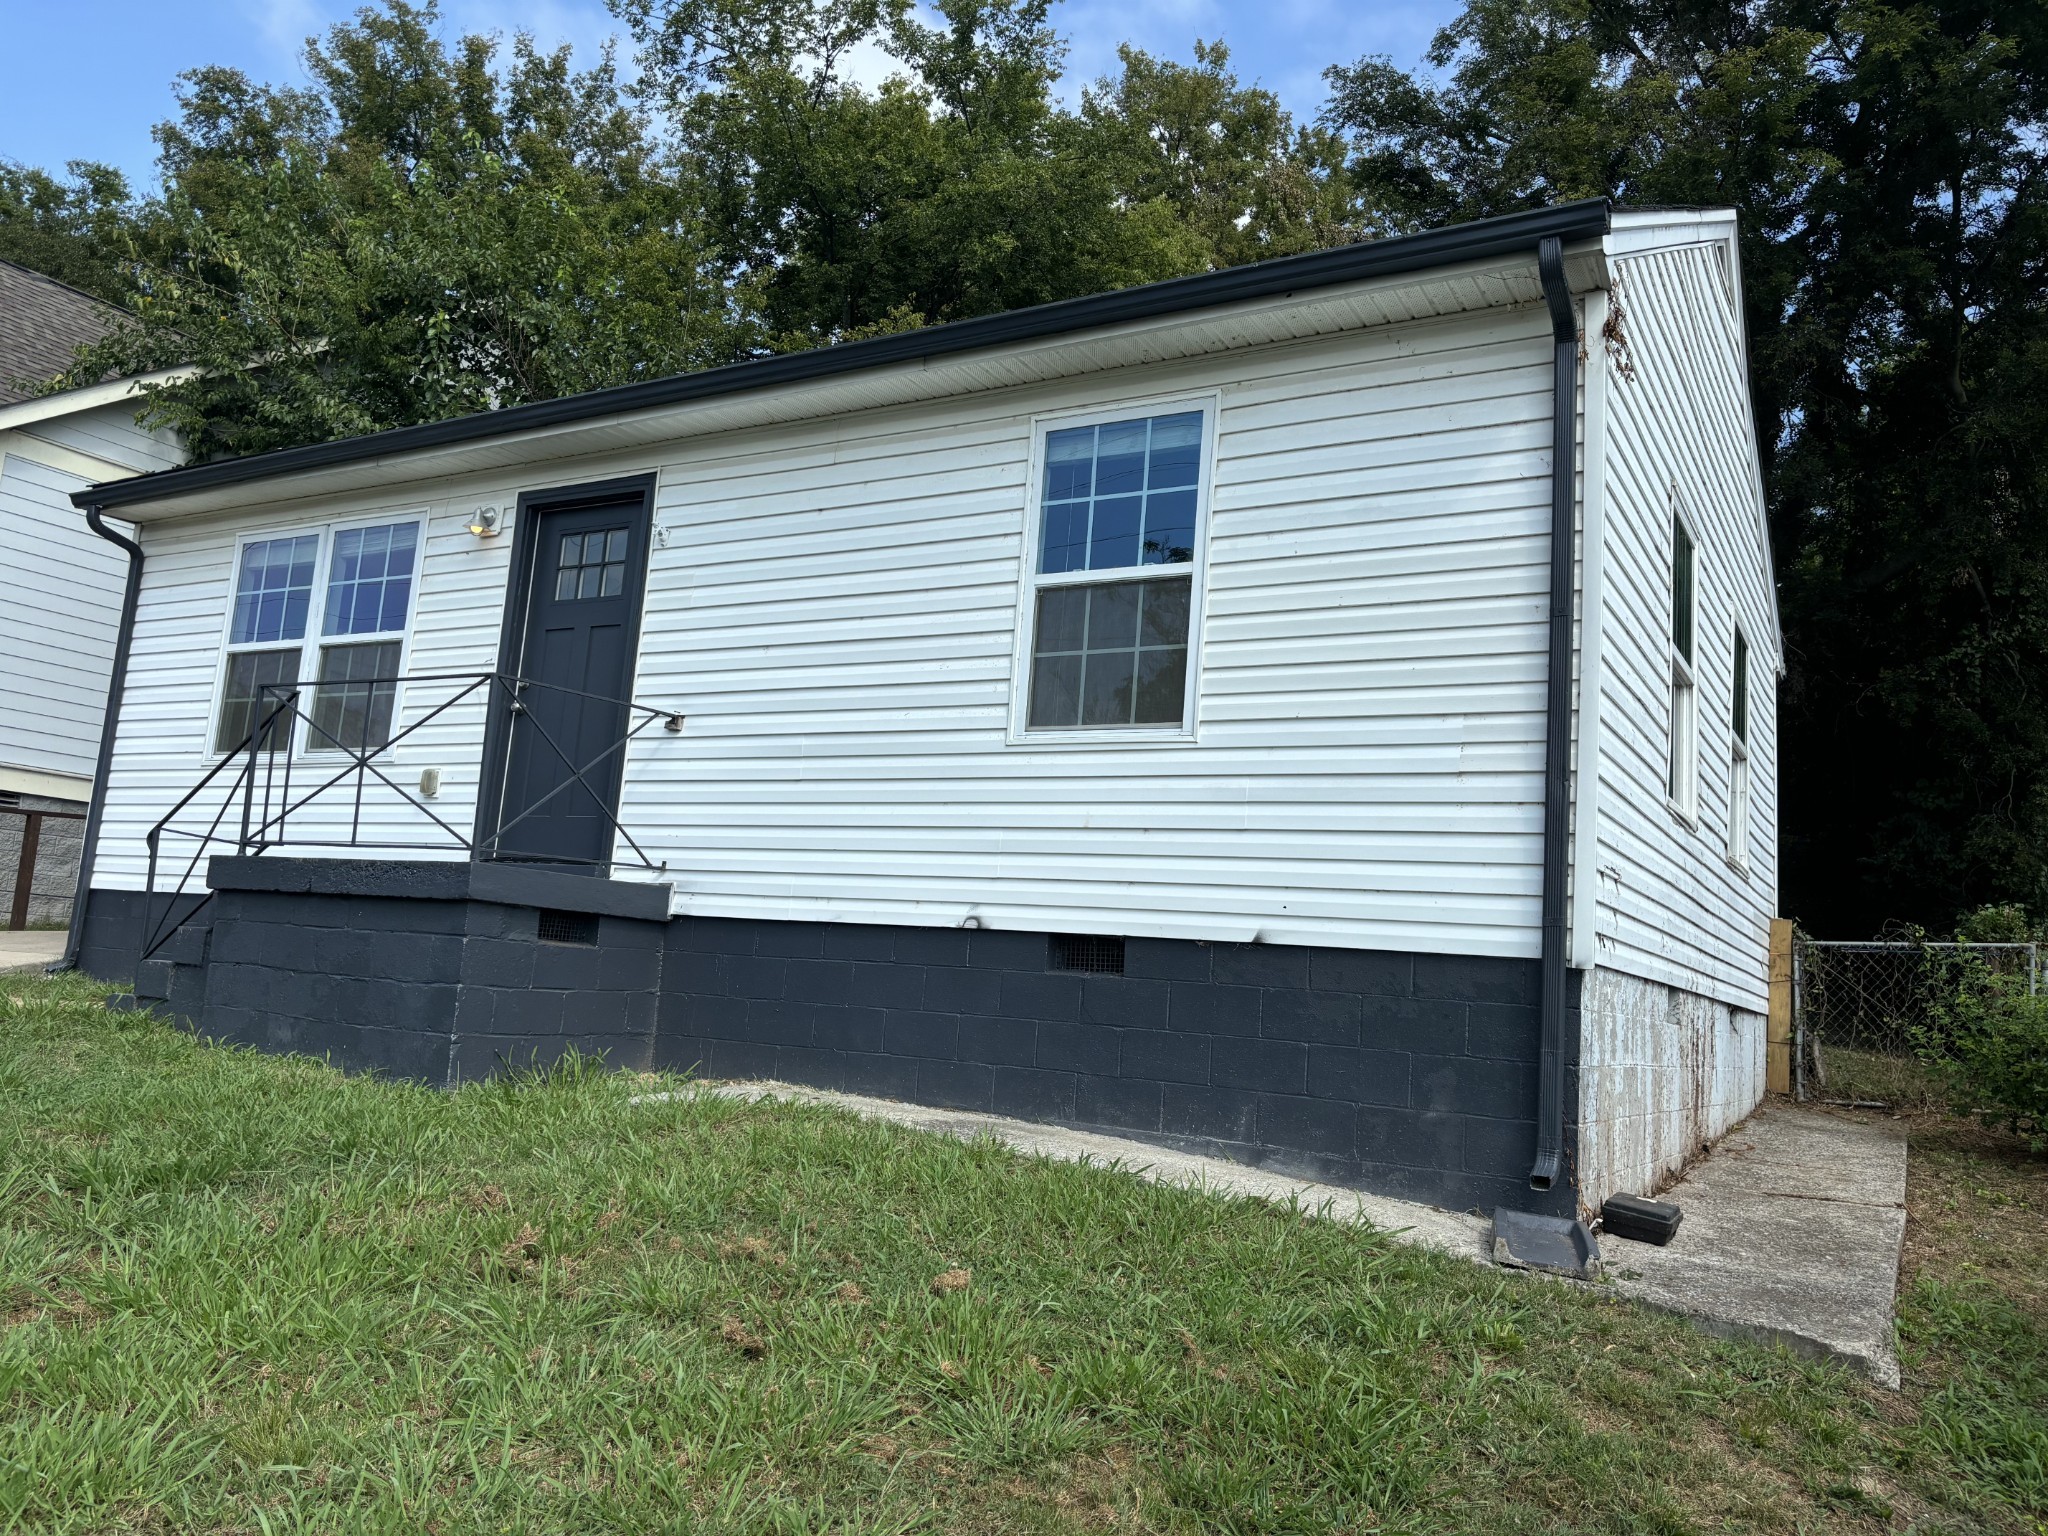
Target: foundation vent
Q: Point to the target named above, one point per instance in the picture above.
(1094, 953)
(568, 928)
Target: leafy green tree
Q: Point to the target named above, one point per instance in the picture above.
(1890, 165)
(1227, 159)
(955, 188)
(77, 230)
(423, 231)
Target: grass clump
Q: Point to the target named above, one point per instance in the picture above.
(249, 1294)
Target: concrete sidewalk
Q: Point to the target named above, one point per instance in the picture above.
(1792, 1231)
(30, 948)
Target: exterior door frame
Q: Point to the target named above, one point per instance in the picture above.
(497, 754)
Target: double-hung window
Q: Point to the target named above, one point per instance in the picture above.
(1112, 592)
(1682, 782)
(1738, 756)
(329, 607)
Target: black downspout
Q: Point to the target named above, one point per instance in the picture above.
(1564, 382)
(116, 684)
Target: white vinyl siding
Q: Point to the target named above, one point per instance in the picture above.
(838, 606)
(1672, 908)
(60, 603)
(835, 611)
(170, 709)
(109, 433)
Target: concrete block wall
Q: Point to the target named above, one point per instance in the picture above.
(1413, 1075)
(1663, 1073)
(58, 845)
(442, 991)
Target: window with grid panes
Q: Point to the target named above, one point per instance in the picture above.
(365, 578)
(1682, 781)
(1113, 586)
(1738, 754)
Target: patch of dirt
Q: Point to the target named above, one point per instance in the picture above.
(754, 1250)
(850, 1293)
(951, 1282)
(742, 1338)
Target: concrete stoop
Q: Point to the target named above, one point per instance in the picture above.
(1791, 1235)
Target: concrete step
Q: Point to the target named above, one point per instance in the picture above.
(153, 979)
(186, 945)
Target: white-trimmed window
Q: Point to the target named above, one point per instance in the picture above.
(349, 643)
(1115, 562)
(1738, 755)
(1682, 780)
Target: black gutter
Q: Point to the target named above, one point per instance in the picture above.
(1557, 719)
(116, 685)
(1510, 234)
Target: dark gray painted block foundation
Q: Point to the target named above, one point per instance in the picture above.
(1411, 1075)
(430, 984)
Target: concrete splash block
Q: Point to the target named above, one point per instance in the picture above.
(1793, 1227)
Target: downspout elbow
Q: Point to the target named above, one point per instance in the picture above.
(1548, 1166)
(116, 683)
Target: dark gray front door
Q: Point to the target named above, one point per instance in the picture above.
(575, 664)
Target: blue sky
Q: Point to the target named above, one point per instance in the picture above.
(87, 79)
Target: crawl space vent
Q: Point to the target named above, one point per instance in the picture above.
(1094, 953)
(568, 928)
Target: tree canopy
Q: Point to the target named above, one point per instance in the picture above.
(1891, 169)
(438, 225)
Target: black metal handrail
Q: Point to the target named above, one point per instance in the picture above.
(264, 823)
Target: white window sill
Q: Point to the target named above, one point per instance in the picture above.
(1107, 736)
(1679, 813)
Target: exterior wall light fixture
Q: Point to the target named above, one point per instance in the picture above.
(483, 522)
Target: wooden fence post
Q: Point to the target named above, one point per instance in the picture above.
(1778, 1035)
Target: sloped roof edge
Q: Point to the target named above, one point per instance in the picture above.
(1318, 269)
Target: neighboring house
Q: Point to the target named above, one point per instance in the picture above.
(60, 587)
(1147, 712)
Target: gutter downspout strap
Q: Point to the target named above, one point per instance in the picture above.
(1549, 1164)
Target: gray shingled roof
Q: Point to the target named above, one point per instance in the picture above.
(42, 321)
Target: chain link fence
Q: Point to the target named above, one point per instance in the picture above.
(1861, 1011)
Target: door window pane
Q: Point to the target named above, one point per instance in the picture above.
(591, 565)
(1121, 494)
(1110, 654)
(273, 590)
(369, 584)
(248, 675)
(352, 705)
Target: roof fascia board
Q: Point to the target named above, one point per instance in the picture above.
(87, 397)
(1488, 238)
(1412, 298)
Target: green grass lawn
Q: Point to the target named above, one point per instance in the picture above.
(249, 1294)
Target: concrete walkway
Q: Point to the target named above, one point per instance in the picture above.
(30, 948)
(1791, 1233)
